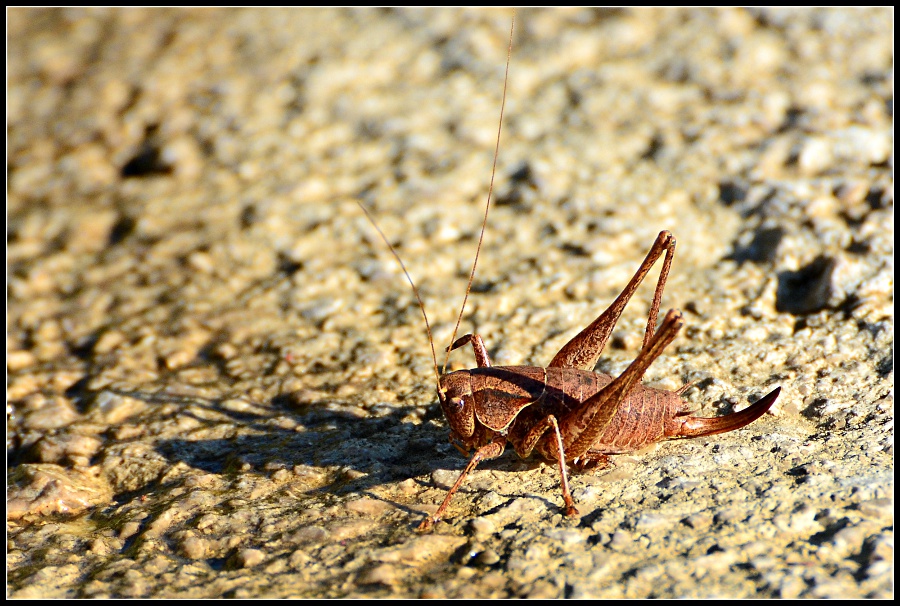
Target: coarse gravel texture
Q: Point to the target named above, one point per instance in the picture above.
(219, 383)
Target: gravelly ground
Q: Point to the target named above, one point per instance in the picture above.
(219, 384)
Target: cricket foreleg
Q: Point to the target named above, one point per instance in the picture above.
(481, 354)
(486, 452)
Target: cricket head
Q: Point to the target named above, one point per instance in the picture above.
(455, 389)
(458, 403)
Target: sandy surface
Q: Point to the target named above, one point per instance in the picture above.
(219, 382)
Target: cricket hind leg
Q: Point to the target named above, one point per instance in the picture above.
(592, 460)
(584, 425)
(585, 348)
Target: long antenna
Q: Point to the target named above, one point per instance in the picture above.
(487, 206)
(437, 376)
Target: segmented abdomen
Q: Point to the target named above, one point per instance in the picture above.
(638, 422)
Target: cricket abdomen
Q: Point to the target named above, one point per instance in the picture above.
(639, 420)
(516, 399)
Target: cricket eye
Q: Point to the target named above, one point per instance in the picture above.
(457, 404)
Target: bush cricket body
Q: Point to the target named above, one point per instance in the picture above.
(565, 412)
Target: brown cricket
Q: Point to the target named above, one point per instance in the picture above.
(565, 412)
